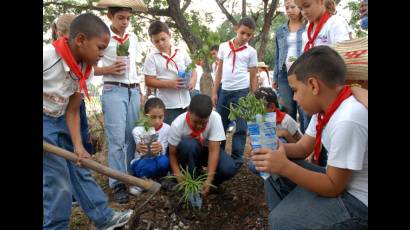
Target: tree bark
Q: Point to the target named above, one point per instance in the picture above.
(243, 8)
(227, 14)
(267, 22)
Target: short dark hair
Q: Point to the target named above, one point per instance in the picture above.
(157, 27)
(88, 24)
(322, 61)
(153, 103)
(247, 21)
(114, 10)
(268, 94)
(201, 106)
(215, 47)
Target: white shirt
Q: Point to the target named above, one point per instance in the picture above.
(334, 30)
(59, 83)
(245, 59)
(110, 56)
(214, 130)
(289, 124)
(265, 79)
(346, 139)
(155, 65)
(199, 73)
(162, 138)
(292, 48)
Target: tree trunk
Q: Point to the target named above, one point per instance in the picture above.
(267, 22)
(243, 8)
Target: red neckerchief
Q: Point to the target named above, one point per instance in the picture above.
(121, 40)
(160, 127)
(311, 40)
(322, 119)
(61, 46)
(233, 51)
(170, 58)
(279, 116)
(195, 133)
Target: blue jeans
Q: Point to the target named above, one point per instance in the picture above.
(151, 167)
(192, 155)
(171, 114)
(85, 134)
(121, 107)
(286, 93)
(239, 137)
(62, 179)
(293, 207)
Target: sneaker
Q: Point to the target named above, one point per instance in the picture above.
(118, 220)
(135, 190)
(121, 194)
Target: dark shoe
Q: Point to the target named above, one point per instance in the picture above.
(121, 194)
(167, 184)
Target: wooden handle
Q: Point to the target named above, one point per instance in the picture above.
(91, 164)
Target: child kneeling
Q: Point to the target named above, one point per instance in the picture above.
(151, 161)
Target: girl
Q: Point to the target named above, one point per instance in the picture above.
(151, 161)
(288, 48)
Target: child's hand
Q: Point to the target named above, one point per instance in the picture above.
(270, 161)
(214, 99)
(191, 84)
(142, 148)
(156, 147)
(115, 69)
(82, 154)
(176, 84)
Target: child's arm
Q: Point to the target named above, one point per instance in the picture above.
(329, 184)
(253, 78)
(192, 82)
(217, 83)
(213, 158)
(73, 124)
(173, 162)
(115, 69)
(362, 95)
(153, 82)
(301, 149)
(289, 137)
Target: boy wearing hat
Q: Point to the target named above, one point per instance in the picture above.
(67, 64)
(121, 92)
(264, 80)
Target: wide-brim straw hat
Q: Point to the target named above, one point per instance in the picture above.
(135, 5)
(262, 64)
(355, 54)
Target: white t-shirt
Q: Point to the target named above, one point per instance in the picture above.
(346, 139)
(214, 130)
(199, 73)
(162, 138)
(110, 56)
(334, 30)
(156, 65)
(245, 59)
(292, 48)
(265, 79)
(289, 124)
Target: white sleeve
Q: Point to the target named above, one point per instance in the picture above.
(339, 31)
(348, 145)
(175, 133)
(253, 60)
(311, 129)
(221, 52)
(149, 66)
(216, 131)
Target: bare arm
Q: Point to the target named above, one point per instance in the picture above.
(253, 79)
(192, 82)
(217, 83)
(174, 162)
(290, 138)
(73, 124)
(362, 95)
(300, 149)
(115, 69)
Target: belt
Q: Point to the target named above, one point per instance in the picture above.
(132, 85)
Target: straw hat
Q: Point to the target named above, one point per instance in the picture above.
(135, 5)
(262, 64)
(355, 54)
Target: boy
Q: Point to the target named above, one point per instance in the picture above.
(235, 58)
(67, 64)
(161, 69)
(301, 195)
(121, 96)
(194, 141)
(214, 54)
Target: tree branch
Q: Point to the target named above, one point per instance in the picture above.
(243, 8)
(228, 15)
(89, 6)
(185, 6)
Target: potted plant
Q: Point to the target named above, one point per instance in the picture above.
(148, 136)
(122, 54)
